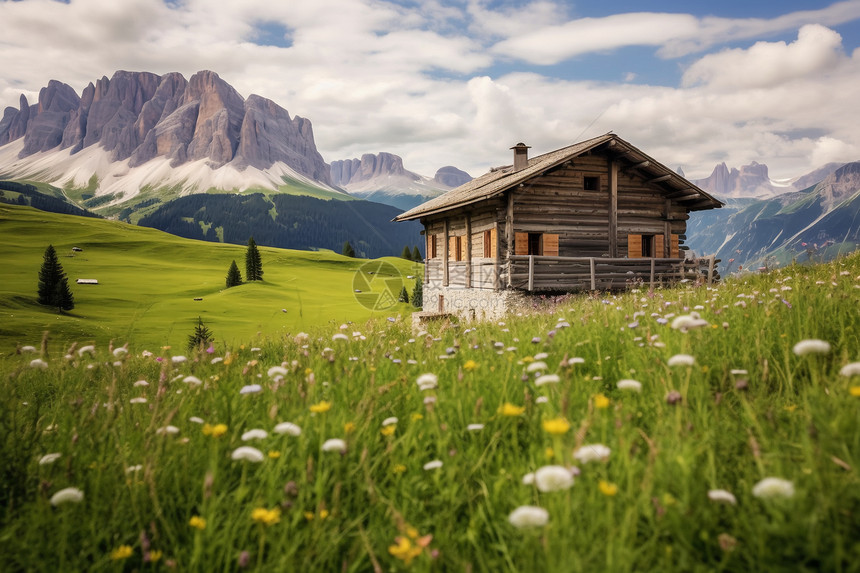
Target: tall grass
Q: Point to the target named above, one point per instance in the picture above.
(747, 409)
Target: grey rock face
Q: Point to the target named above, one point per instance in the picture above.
(140, 116)
(368, 167)
(450, 176)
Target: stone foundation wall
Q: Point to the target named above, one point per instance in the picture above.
(470, 304)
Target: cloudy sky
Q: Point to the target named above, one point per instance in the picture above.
(457, 82)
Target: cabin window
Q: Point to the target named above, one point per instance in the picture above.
(648, 246)
(456, 248)
(544, 244)
(651, 246)
(489, 243)
(590, 183)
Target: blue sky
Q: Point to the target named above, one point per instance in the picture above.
(457, 82)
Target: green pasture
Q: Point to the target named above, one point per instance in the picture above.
(148, 281)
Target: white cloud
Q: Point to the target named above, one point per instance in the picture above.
(817, 49)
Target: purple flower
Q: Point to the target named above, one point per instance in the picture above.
(786, 303)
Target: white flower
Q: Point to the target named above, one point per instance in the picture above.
(178, 359)
(277, 371)
(340, 336)
(302, 337)
(547, 379)
(434, 465)
(89, 349)
(687, 322)
(541, 400)
(811, 346)
(553, 478)
(576, 360)
(141, 383)
(139, 400)
(216, 360)
(248, 454)
(852, 369)
(120, 352)
(38, 363)
(541, 356)
(773, 487)
(196, 420)
(722, 496)
(591, 453)
(255, 434)
(536, 366)
(427, 381)
(28, 349)
(475, 427)
(389, 421)
(251, 389)
(132, 469)
(288, 428)
(738, 372)
(49, 459)
(334, 445)
(628, 384)
(528, 516)
(681, 360)
(192, 380)
(67, 495)
(529, 478)
(167, 430)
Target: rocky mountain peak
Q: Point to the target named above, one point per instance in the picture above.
(450, 176)
(370, 166)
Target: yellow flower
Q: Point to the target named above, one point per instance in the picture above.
(550, 453)
(404, 550)
(266, 516)
(388, 430)
(197, 522)
(321, 407)
(412, 532)
(528, 359)
(348, 428)
(274, 454)
(155, 555)
(854, 390)
(470, 365)
(601, 402)
(416, 416)
(791, 408)
(556, 426)
(121, 552)
(323, 513)
(308, 371)
(309, 515)
(398, 469)
(215, 431)
(508, 409)
(607, 488)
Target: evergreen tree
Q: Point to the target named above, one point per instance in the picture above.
(407, 253)
(53, 287)
(234, 277)
(416, 254)
(404, 295)
(201, 337)
(253, 262)
(348, 251)
(418, 294)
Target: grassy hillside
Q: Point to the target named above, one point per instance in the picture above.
(148, 281)
(591, 436)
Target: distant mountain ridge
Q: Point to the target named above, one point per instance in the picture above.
(753, 180)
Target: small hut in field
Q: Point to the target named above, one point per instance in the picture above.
(599, 214)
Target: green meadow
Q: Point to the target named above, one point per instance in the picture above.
(148, 281)
(694, 428)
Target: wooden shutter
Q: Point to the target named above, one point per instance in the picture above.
(659, 246)
(550, 245)
(521, 243)
(452, 248)
(675, 249)
(494, 244)
(634, 246)
(463, 247)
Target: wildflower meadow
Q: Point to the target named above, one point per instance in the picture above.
(698, 428)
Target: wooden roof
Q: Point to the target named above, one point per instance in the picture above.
(497, 181)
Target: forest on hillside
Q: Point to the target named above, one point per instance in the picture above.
(288, 221)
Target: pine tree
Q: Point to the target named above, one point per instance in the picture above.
(348, 251)
(53, 287)
(404, 295)
(234, 277)
(416, 254)
(407, 253)
(201, 337)
(253, 262)
(418, 294)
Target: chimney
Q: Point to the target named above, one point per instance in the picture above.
(521, 156)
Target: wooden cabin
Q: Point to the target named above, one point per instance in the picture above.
(599, 214)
